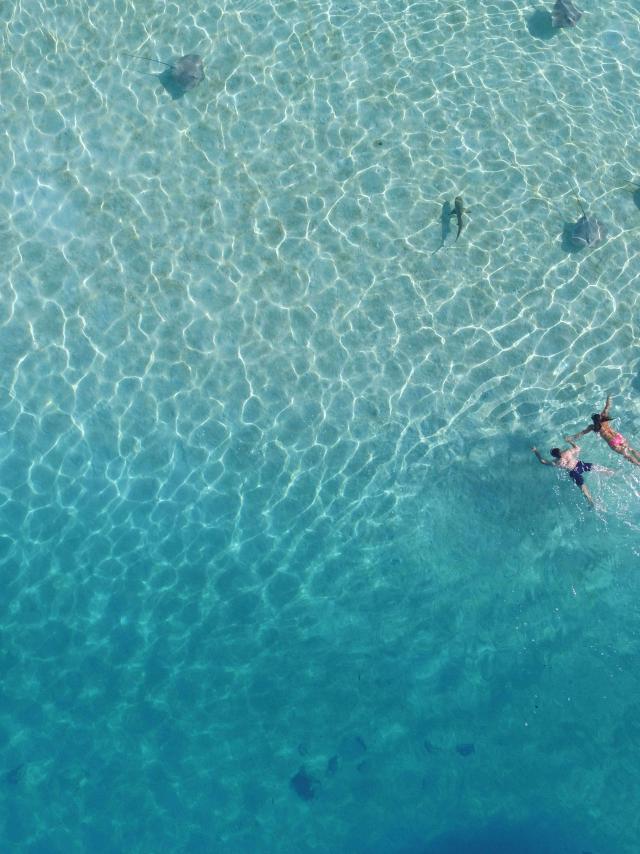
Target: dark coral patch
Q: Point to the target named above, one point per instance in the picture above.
(14, 776)
(332, 766)
(352, 747)
(303, 785)
(430, 747)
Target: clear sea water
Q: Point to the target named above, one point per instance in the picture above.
(268, 510)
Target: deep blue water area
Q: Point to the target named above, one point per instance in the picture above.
(280, 570)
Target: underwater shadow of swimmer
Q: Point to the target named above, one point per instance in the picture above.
(540, 25)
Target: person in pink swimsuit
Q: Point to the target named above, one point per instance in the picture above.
(616, 441)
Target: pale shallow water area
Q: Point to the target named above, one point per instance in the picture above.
(280, 571)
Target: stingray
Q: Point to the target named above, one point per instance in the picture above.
(587, 231)
(181, 76)
(636, 193)
(565, 14)
(304, 785)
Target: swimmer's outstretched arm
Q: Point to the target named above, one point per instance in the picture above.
(584, 432)
(605, 411)
(570, 439)
(541, 458)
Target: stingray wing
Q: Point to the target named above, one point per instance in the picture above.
(581, 233)
(565, 14)
(588, 232)
(189, 71)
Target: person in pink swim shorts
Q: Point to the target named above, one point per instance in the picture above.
(603, 428)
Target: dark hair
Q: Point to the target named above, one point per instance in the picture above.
(598, 420)
(555, 452)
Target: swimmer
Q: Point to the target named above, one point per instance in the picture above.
(575, 468)
(616, 441)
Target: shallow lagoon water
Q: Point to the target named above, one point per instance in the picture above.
(267, 498)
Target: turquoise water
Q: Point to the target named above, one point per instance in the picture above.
(268, 511)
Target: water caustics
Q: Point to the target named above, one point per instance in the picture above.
(266, 493)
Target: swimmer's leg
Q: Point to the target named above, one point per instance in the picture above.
(625, 453)
(603, 469)
(584, 489)
(633, 451)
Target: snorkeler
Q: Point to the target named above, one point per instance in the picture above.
(616, 441)
(575, 468)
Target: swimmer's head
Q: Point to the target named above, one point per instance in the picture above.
(598, 420)
(555, 452)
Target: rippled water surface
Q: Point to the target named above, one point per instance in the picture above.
(280, 571)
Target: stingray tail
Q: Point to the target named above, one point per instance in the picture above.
(147, 59)
(580, 205)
